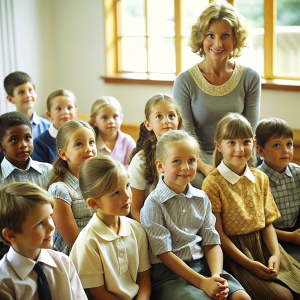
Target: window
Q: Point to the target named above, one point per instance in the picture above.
(147, 39)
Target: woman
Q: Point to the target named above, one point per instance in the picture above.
(217, 85)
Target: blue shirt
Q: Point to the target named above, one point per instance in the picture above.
(181, 223)
(38, 125)
(285, 188)
(35, 172)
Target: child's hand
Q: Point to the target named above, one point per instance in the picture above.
(262, 271)
(215, 287)
(274, 263)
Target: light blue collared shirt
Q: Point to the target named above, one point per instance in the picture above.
(35, 172)
(285, 189)
(181, 223)
(38, 125)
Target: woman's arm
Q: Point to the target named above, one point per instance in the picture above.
(144, 283)
(252, 98)
(65, 223)
(138, 198)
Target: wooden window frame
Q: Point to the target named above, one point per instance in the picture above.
(269, 80)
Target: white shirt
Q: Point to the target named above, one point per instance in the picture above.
(18, 280)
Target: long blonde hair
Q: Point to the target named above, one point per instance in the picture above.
(232, 126)
(60, 166)
(147, 139)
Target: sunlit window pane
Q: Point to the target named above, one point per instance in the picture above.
(161, 18)
(191, 10)
(132, 19)
(133, 56)
(253, 56)
(287, 59)
(161, 55)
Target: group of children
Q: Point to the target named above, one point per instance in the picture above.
(187, 229)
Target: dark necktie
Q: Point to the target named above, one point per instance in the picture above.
(42, 282)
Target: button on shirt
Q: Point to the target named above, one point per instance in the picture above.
(285, 188)
(35, 172)
(181, 223)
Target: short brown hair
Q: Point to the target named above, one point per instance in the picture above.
(12, 80)
(272, 127)
(59, 93)
(16, 200)
(214, 12)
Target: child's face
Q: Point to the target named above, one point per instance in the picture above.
(17, 145)
(62, 110)
(179, 167)
(80, 147)
(24, 96)
(278, 153)
(163, 118)
(236, 153)
(37, 232)
(108, 120)
(117, 202)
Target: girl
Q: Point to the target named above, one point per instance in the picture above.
(244, 210)
(111, 252)
(106, 118)
(184, 245)
(75, 144)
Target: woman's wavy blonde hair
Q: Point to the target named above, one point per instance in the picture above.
(215, 12)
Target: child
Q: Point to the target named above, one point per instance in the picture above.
(162, 114)
(106, 118)
(17, 145)
(111, 252)
(21, 92)
(75, 144)
(61, 107)
(26, 225)
(180, 226)
(274, 142)
(245, 210)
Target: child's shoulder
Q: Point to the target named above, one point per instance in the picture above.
(127, 137)
(44, 167)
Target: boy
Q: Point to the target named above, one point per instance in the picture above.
(274, 143)
(26, 225)
(21, 92)
(61, 107)
(16, 143)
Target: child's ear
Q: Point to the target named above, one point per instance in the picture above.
(1, 148)
(62, 154)
(218, 146)
(10, 99)
(93, 121)
(91, 202)
(159, 166)
(48, 115)
(9, 235)
(76, 111)
(260, 151)
(148, 125)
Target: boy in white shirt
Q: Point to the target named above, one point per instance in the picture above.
(26, 225)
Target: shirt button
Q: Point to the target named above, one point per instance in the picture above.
(121, 254)
(283, 186)
(186, 230)
(287, 204)
(183, 211)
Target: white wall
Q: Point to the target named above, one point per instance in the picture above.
(60, 43)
